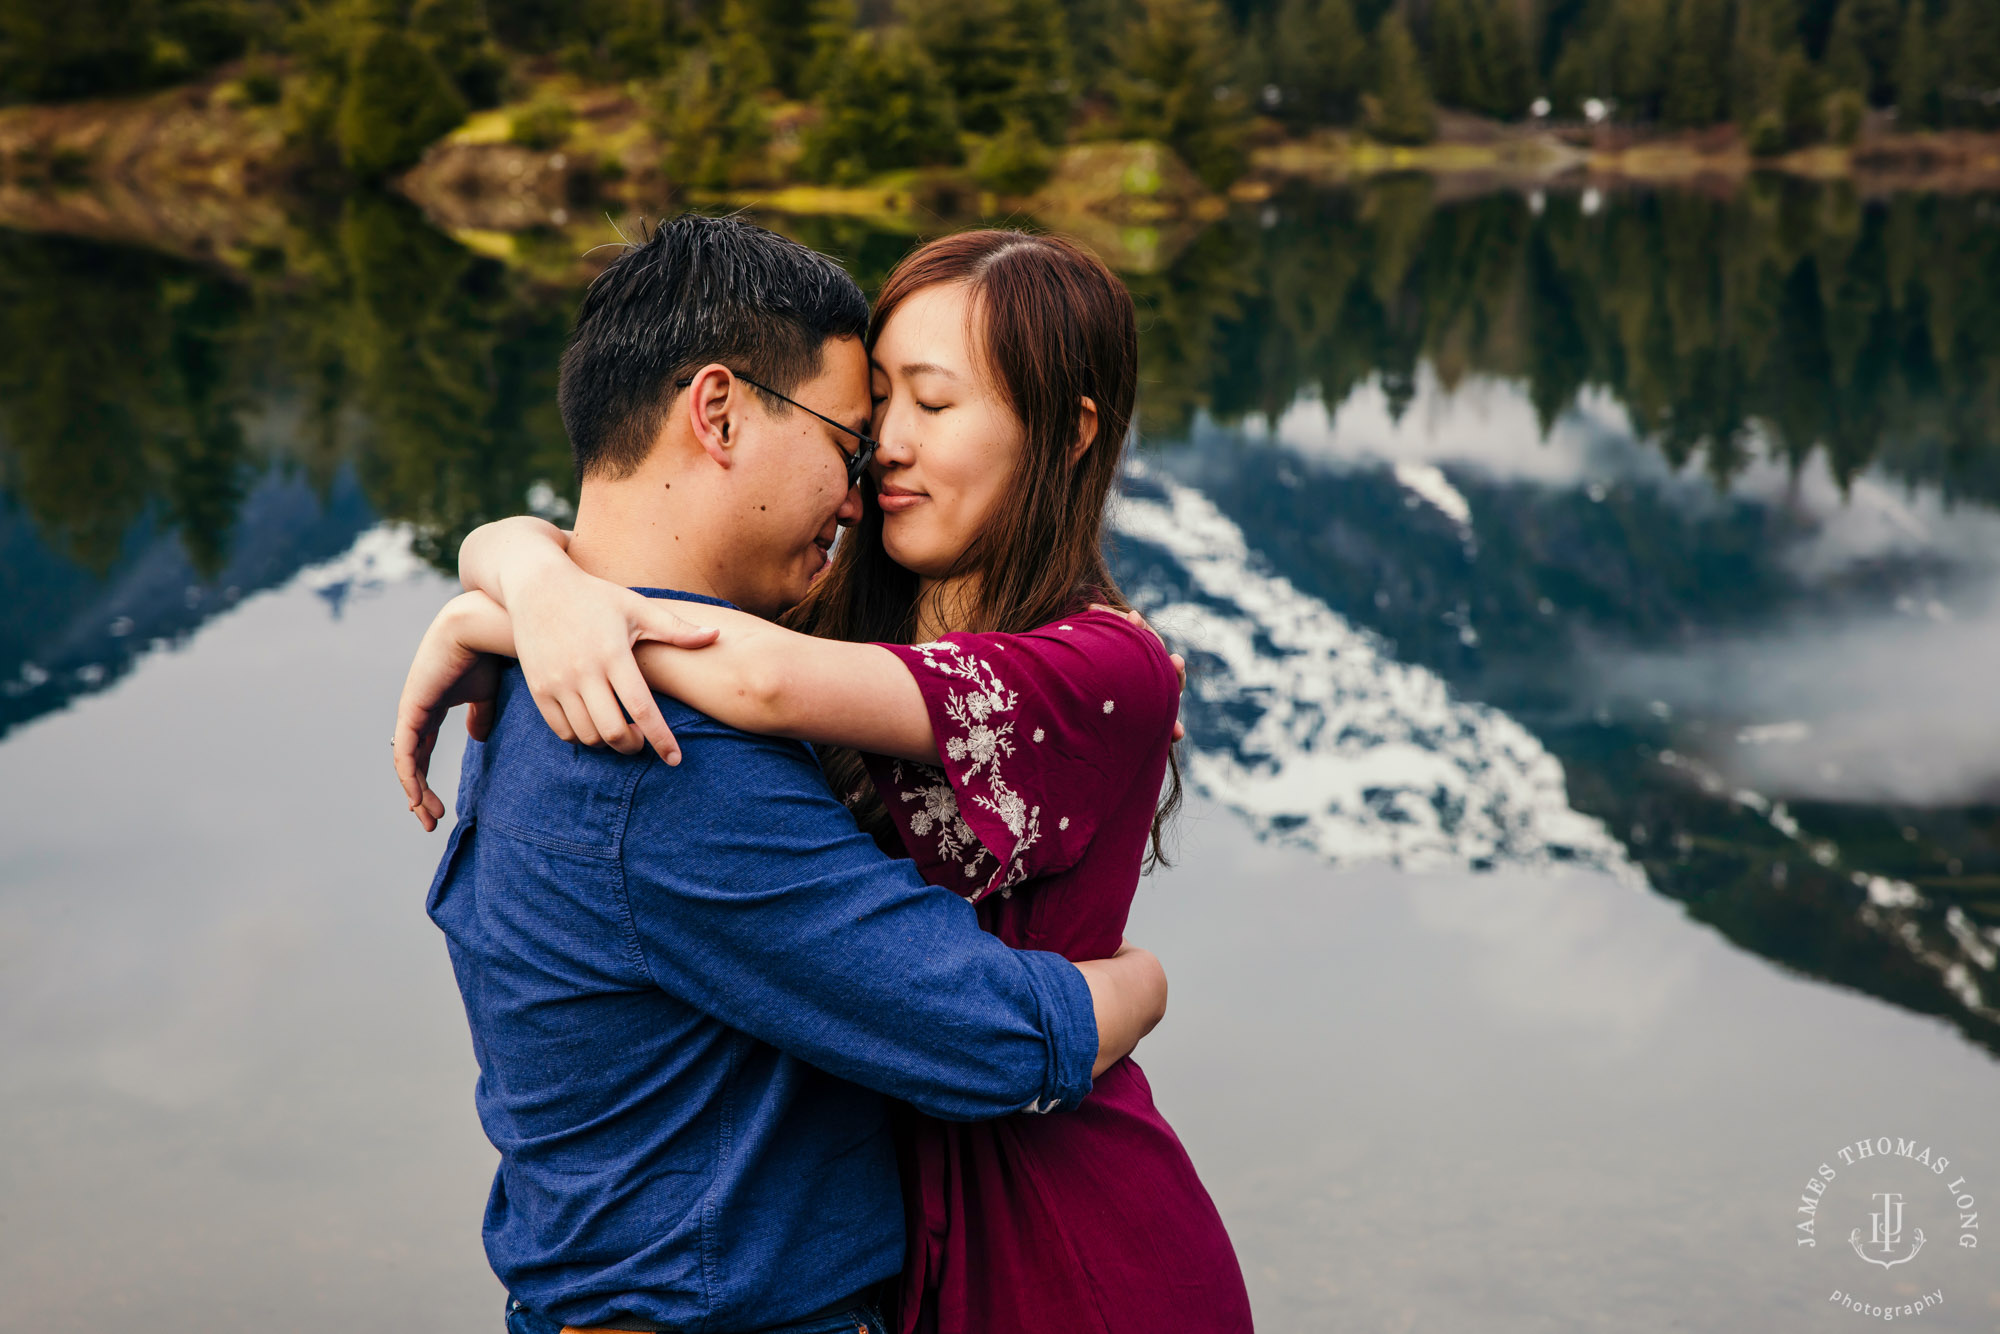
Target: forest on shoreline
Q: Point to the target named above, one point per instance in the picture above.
(738, 94)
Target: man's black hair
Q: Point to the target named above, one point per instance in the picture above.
(698, 290)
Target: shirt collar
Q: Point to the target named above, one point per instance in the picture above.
(679, 596)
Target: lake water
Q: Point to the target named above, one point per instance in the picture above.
(1594, 606)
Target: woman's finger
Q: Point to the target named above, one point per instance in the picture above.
(637, 697)
(551, 709)
(617, 733)
(414, 742)
(1131, 615)
(1180, 669)
(581, 727)
(404, 756)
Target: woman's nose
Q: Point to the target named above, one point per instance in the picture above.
(894, 445)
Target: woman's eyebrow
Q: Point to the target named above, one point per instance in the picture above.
(929, 368)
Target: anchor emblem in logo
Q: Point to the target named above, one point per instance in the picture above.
(1886, 1234)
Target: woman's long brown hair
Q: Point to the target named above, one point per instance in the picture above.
(1058, 327)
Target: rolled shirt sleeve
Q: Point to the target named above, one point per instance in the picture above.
(751, 896)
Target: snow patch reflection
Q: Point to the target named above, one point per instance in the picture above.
(1312, 730)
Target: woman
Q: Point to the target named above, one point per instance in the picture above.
(1004, 368)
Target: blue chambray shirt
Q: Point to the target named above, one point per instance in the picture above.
(689, 989)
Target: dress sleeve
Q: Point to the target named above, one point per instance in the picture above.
(1040, 736)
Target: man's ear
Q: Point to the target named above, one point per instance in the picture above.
(711, 398)
(1086, 430)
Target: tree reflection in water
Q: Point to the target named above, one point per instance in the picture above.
(172, 437)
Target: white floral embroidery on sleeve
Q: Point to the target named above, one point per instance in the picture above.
(980, 739)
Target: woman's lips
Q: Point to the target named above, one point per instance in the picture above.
(894, 500)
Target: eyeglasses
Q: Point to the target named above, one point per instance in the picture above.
(857, 462)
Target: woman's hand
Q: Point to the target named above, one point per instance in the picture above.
(447, 672)
(1180, 663)
(459, 662)
(574, 634)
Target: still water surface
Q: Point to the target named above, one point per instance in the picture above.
(1593, 603)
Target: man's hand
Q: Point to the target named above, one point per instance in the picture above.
(1129, 993)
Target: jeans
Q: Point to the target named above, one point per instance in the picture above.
(864, 1319)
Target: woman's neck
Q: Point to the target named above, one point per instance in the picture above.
(945, 605)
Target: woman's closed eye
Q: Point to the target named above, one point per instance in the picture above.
(932, 408)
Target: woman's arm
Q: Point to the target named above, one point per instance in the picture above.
(520, 546)
(764, 678)
(451, 669)
(585, 644)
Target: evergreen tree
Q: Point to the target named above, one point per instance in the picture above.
(621, 39)
(1916, 74)
(1697, 93)
(1573, 79)
(1845, 66)
(396, 102)
(889, 109)
(53, 50)
(746, 63)
(1635, 48)
(1801, 99)
(786, 30)
(455, 35)
(1871, 31)
(831, 25)
(1753, 65)
(1002, 59)
(1972, 41)
(1861, 51)
(1316, 58)
(1097, 35)
(712, 112)
(1510, 79)
(1014, 161)
(536, 25)
(1173, 85)
(1457, 65)
(1401, 112)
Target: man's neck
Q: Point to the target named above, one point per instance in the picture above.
(626, 535)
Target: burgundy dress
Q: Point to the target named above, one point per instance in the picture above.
(1091, 1219)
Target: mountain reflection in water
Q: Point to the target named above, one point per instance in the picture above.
(1659, 537)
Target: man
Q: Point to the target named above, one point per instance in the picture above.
(689, 987)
